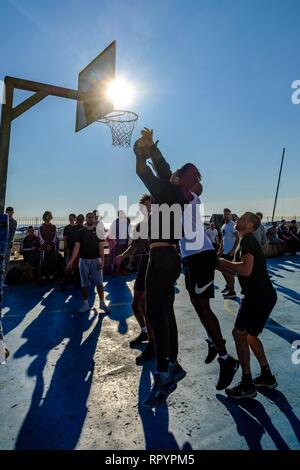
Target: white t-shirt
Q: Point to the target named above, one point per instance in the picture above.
(212, 234)
(229, 237)
(195, 239)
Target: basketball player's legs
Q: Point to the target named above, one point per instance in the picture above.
(138, 307)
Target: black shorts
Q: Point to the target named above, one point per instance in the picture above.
(254, 313)
(228, 257)
(139, 283)
(200, 274)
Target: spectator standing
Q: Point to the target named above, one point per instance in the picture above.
(229, 244)
(48, 241)
(213, 236)
(69, 242)
(260, 233)
(294, 236)
(12, 226)
(30, 249)
(90, 248)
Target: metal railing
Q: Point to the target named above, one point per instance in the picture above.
(37, 221)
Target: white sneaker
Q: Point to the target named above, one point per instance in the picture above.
(84, 308)
(104, 307)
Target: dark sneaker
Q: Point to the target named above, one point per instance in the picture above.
(226, 289)
(231, 294)
(212, 352)
(239, 391)
(7, 353)
(160, 391)
(228, 368)
(147, 355)
(141, 338)
(261, 381)
(178, 373)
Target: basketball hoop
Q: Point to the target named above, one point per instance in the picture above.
(121, 124)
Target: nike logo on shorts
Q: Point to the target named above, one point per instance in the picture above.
(200, 290)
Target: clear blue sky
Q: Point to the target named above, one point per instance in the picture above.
(214, 80)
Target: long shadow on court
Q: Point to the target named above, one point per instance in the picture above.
(156, 422)
(20, 304)
(58, 405)
(120, 298)
(280, 400)
(252, 421)
(290, 294)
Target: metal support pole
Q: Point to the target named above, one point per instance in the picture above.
(278, 183)
(4, 139)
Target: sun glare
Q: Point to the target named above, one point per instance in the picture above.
(121, 93)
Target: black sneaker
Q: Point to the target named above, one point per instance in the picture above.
(261, 381)
(141, 338)
(160, 391)
(228, 368)
(239, 391)
(7, 353)
(147, 355)
(226, 289)
(212, 352)
(178, 373)
(231, 294)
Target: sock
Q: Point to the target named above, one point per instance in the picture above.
(265, 371)
(164, 376)
(173, 365)
(224, 357)
(144, 329)
(247, 380)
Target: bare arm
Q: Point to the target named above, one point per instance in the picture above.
(242, 268)
(74, 255)
(101, 253)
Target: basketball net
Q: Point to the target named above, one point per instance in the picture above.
(121, 124)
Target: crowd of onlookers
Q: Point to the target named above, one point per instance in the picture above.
(43, 260)
(40, 248)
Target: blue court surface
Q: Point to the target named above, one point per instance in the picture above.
(71, 382)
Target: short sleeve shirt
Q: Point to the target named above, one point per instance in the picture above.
(89, 243)
(229, 238)
(258, 284)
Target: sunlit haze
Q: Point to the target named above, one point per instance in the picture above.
(121, 93)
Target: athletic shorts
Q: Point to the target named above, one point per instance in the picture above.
(228, 257)
(254, 313)
(90, 273)
(200, 274)
(139, 283)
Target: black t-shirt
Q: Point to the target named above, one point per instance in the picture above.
(258, 284)
(89, 243)
(72, 235)
(67, 233)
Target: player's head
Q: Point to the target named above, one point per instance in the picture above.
(145, 203)
(72, 219)
(47, 216)
(247, 223)
(80, 219)
(188, 177)
(227, 214)
(90, 218)
(9, 211)
(259, 215)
